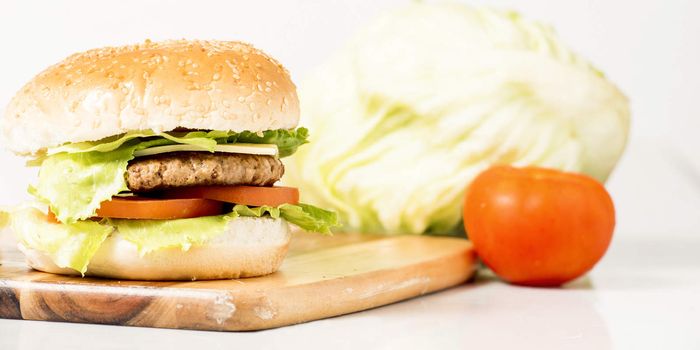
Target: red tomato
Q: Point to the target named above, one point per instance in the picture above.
(248, 195)
(189, 202)
(538, 227)
(161, 209)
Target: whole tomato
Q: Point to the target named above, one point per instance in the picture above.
(536, 226)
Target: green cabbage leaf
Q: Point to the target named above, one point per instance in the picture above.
(429, 95)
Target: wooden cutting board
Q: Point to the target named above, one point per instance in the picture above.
(321, 277)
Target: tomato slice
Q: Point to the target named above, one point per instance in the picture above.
(158, 209)
(51, 217)
(247, 195)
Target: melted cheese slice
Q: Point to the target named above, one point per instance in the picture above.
(243, 148)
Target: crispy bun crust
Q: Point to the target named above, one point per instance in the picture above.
(161, 86)
(250, 247)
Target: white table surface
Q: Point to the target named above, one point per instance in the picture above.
(645, 294)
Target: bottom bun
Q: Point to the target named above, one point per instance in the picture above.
(250, 247)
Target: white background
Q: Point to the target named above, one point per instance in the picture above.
(644, 294)
(651, 49)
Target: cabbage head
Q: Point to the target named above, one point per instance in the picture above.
(427, 96)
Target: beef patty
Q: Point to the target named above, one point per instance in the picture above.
(180, 169)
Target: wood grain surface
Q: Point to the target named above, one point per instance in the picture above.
(321, 277)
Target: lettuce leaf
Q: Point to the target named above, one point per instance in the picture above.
(73, 245)
(68, 245)
(306, 216)
(105, 145)
(74, 184)
(286, 140)
(309, 217)
(150, 235)
(4, 218)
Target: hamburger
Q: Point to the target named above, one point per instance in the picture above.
(159, 161)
